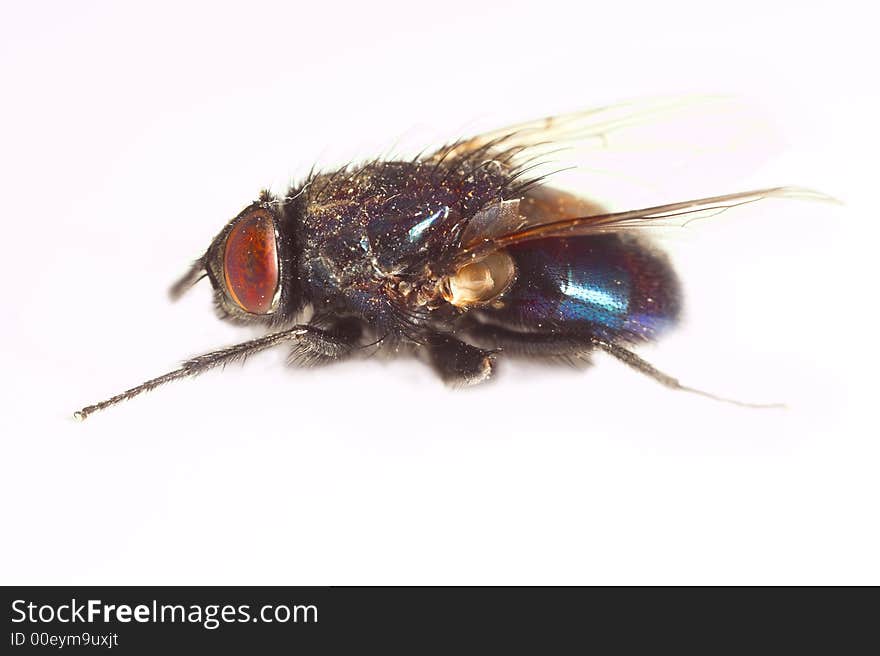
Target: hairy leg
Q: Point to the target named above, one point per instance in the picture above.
(316, 337)
(456, 362)
(575, 349)
(566, 346)
(330, 339)
(628, 357)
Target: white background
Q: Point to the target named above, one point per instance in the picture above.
(130, 134)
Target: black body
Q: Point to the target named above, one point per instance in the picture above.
(458, 256)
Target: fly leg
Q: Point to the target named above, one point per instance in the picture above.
(320, 343)
(628, 357)
(457, 363)
(575, 348)
(570, 347)
(328, 339)
(201, 363)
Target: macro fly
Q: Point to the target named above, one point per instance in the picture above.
(460, 256)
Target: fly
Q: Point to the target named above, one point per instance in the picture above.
(460, 256)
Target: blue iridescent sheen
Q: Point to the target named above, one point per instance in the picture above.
(404, 233)
(606, 285)
(595, 295)
(415, 233)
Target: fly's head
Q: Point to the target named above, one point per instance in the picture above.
(251, 265)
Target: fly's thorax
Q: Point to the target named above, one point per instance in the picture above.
(476, 284)
(417, 292)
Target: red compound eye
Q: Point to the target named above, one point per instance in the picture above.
(251, 262)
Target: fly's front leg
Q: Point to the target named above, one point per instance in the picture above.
(456, 362)
(202, 363)
(327, 339)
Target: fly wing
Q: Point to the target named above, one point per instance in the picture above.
(635, 154)
(669, 215)
(588, 126)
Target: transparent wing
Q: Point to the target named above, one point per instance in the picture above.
(669, 215)
(583, 173)
(632, 154)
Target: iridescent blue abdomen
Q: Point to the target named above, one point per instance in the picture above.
(610, 286)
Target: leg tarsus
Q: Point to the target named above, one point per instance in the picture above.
(628, 357)
(201, 363)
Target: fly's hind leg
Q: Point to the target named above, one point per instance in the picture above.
(570, 347)
(456, 362)
(575, 349)
(328, 339)
(628, 357)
